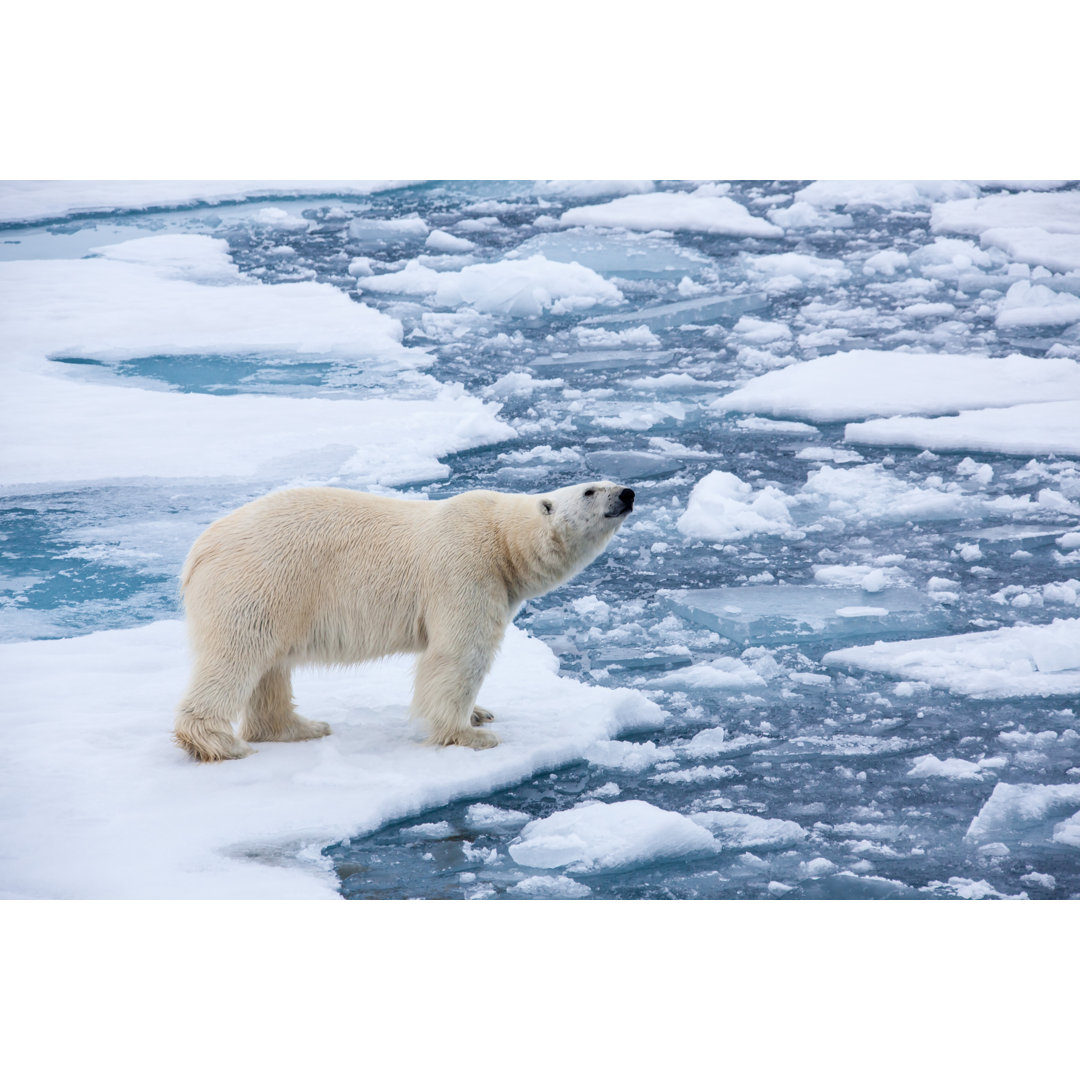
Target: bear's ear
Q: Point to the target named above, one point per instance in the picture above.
(546, 506)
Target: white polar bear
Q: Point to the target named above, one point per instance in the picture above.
(330, 576)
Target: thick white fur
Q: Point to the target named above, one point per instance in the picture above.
(329, 576)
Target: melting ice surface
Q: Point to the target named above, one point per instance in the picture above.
(834, 652)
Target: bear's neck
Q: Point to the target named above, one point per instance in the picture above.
(535, 561)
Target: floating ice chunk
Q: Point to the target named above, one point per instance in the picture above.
(1042, 881)
(429, 830)
(486, 816)
(724, 673)
(1017, 661)
(517, 384)
(871, 492)
(871, 579)
(748, 832)
(760, 332)
(1068, 831)
(674, 210)
(381, 229)
(632, 464)
(829, 453)
(623, 255)
(723, 507)
(439, 240)
(610, 836)
(968, 889)
(801, 215)
(982, 474)
(546, 887)
(804, 269)
(888, 194)
(508, 287)
(590, 189)
(1051, 427)
(864, 382)
(1037, 246)
(1025, 813)
(1028, 304)
(641, 336)
(778, 427)
(1057, 212)
(776, 614)
(1069, 542)
(699, 310)
(276, 218)
(628, 756)
(886, 263)
(953, 768)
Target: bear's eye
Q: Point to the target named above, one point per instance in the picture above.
(591, 491)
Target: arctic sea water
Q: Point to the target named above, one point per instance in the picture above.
(815, 778)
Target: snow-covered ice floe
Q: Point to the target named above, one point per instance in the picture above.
(182, 296)
(26, 201)
(1029, 813)
(97, 802)
(868, 382)
(1017, 661)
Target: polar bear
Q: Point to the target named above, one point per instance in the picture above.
(332, 576)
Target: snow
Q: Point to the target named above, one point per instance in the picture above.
(1018, 811)
(1057, 211)
(723, 507)
(26, 201)
(518, 287)
(182, 295)
(887, 194)
(1045, 428)
(674, 210)
(868, 382)
(590, 189)
(610, 836)
(1017, 661)
(748, 831)
(953, 768)
(1028, 304)
(97, 802)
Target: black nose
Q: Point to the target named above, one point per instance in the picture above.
(626, 497)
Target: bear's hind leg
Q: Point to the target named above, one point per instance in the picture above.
(480, 715)
(269, 715)
(205, 715)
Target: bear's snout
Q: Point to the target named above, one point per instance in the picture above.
(624, 505)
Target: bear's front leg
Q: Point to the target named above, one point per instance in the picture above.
(447, 682)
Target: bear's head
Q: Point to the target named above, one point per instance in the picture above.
(585, 516)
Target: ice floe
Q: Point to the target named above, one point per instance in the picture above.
(866, 382)
(1017, 661)
(36, 201)
(610, 836)
(674, 211)
(97, 802)
(509, 287)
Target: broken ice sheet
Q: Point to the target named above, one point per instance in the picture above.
(699, 310)
(778, 614)
(1018, 661)
(1027, 813)
(619, 254)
